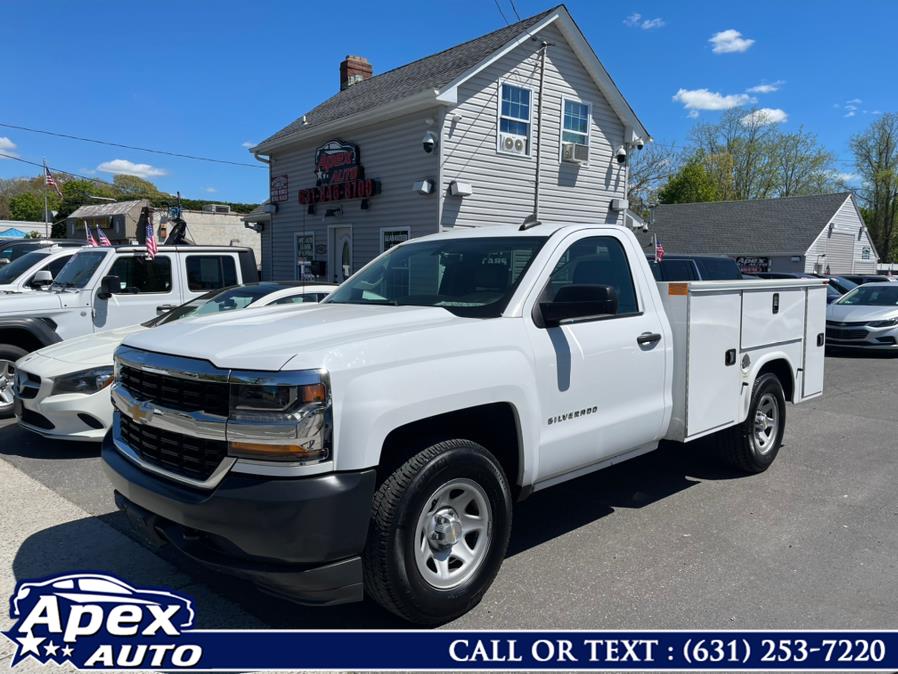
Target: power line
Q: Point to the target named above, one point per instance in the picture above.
(515, 9)
(501, 12)
(133, 147)
(54, 169)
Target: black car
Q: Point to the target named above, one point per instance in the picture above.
(861, 279)
(695, 268)
(12, 250)
(833, 291)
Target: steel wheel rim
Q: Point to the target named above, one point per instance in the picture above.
(7, 382)
(766, 423)
(453, 534)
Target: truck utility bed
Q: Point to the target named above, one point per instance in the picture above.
(722, 332)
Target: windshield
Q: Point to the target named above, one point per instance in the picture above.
(217, 301)
(469, 277)
(16, 251)
(79, 270)
(873, 296)
(10, 272)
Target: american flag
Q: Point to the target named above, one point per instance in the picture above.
(88, 237)
(102, 238)
(152, 246)
(51, 181)
(659, 251)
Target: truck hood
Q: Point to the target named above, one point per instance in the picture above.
(29, 303)
(91, 350)
(857, 313)
(307, 337)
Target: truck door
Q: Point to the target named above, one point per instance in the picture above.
(601, 380)
(145, 287)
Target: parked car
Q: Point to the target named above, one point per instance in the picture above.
(375, 443)
(860, 279)
(110, 287)
(840, 283)
(832, 293)
(695, 268)
(14, 249)
(62, 390)
(20, 275)
(865, 318)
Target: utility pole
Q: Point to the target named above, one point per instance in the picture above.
(46, 211)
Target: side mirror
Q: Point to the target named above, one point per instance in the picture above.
(577, 301)
(109, 286)
(42, 278)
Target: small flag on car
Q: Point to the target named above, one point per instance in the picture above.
(102, 238)
(659, 251)
(88, 237)
(152, 246)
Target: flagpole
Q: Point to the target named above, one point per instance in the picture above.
(46, 212)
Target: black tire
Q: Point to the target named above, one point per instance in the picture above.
(392, 575)
(8, 354)
(740, 446)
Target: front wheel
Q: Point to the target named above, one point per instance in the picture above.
(753, 445)
(439, 532)
(9, 354)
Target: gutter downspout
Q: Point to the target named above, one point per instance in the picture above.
(539, 126)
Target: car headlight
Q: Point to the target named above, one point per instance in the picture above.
(85, 381)
(888, 323)
(277, 422)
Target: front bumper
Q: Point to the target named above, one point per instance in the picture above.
(861, 336)
(297, 537)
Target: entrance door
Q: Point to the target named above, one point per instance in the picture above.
(340, 262)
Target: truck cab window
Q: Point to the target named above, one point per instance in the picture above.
(597, 260)
(208, 272)
(139, 275)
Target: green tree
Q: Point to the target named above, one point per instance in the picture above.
(690, 184)
(132, 187)
(26, 206)
(876, 159)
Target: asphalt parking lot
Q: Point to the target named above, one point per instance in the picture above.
(669, 540)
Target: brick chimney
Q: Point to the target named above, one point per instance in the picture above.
(354, 69)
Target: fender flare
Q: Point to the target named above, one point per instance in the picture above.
(42, 329)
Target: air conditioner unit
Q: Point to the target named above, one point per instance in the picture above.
(513, 144)
(575, 152)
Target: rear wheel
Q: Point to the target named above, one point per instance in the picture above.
(439, 532)
(753, 445)
(9, 354)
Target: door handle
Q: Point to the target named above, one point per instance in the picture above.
(648, 338)
(162, 308)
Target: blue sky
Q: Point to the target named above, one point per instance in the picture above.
(204, 77)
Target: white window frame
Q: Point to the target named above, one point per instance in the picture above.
(565, 99)
(384, 230)
(499, 117)
(296, 238)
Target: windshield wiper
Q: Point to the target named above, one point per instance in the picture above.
(389, 303)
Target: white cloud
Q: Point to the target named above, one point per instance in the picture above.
(848, 178)
(765, 116)
(850, 113)
(7, 147)
(211, 189)
(876, 112)
(635, 20)
(692, 114)
(766, 88)
(729, 42)
(702, 99)
(247, 144)
(854, 101)
(129, 168)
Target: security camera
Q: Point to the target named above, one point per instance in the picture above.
(429, 142)
(645, 228)
(621, 155)
(640, 143)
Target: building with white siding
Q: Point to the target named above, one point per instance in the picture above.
(523, 122)
(820, 233)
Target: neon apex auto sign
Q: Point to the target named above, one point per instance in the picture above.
(340, 175)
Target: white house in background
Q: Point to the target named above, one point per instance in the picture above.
(521, 122)
(821, 233)
(9, 228)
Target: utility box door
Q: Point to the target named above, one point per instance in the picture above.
(815, 331)
(772, 317)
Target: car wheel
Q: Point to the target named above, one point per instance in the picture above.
(753, 445)
(439, 531)
(9, 354)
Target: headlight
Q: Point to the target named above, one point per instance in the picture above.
(85, 381)
(888, 323)
(273, 397)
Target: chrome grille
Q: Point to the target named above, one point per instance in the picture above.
(196, 458)
(189, 395)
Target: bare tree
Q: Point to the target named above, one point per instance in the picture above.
(650, 168)
(876, 158)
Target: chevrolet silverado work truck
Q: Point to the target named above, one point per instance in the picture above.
(375, 443)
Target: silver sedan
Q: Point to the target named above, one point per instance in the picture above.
(866, 317)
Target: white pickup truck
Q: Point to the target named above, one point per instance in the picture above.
(106, 287)
(377, 441)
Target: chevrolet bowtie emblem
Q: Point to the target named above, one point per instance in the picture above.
(141, 412)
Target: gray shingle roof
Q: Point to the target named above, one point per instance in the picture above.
(100, 210)
(762, 226)
(431, 72)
